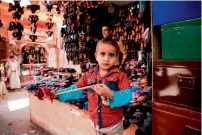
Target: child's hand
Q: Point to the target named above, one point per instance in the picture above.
(53, 92)
(103, 90)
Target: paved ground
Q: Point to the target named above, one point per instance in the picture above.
(14, 115)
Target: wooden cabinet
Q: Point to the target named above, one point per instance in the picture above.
(177, 83)
(176, 74)
(176, 97)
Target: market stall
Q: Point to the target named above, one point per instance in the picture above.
(59, 52)
(158, 65)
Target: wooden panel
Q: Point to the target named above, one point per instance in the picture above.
(177, 82)
(172, 120)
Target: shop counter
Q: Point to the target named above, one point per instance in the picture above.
(59, 118)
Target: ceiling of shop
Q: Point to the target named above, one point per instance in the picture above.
(118, 3)
(6, 16)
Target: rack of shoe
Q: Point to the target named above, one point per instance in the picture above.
(33, 18)
(49, 24)
(70, 34)
(15, 26)
(78, 41)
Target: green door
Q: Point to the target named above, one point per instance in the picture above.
(182, 40)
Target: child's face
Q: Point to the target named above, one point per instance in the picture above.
(106, 56)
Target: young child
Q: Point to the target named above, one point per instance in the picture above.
(107, 82)
(3, 90)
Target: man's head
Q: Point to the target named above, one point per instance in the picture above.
(12, 58)
(106, 31)
(107, 51)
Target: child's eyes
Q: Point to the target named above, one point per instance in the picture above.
(111, 55)
(102, 53)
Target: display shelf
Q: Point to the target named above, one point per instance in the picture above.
(66, 74)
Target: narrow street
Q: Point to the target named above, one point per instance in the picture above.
(14, 115)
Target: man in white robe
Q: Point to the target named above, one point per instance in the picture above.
(14, 73)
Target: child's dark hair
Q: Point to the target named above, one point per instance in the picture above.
(109, 41)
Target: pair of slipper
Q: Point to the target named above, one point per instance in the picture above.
(82, 102)
(32, 87)
(76, 103)
(69, 70)
(146, 128)
(126, 122)
(44, 92)
(83, 98)
(85, 106)
(137, 118)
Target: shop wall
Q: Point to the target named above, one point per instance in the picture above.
(64, 63)
(52, 57)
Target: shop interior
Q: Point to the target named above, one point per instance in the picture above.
(54, 43)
